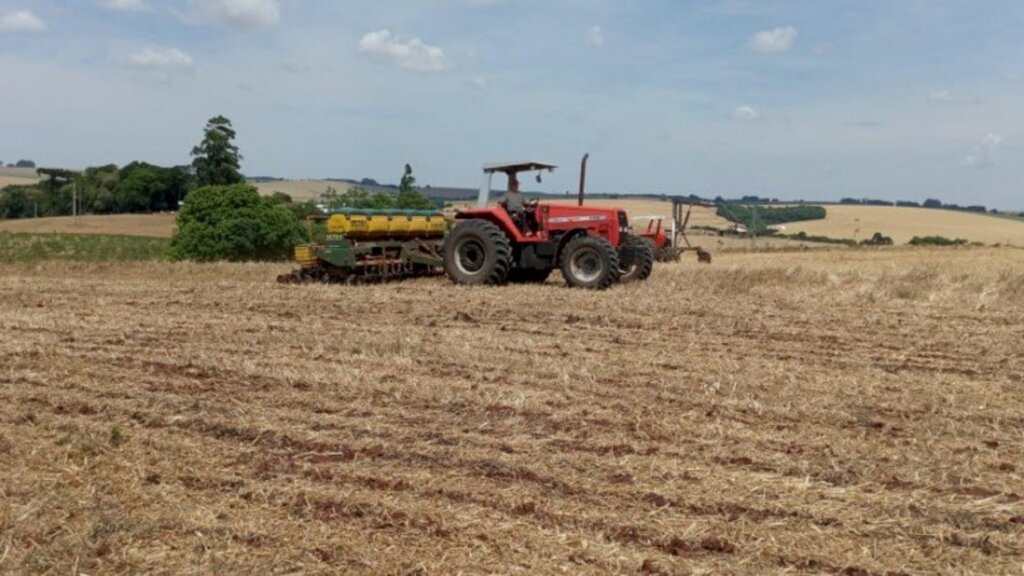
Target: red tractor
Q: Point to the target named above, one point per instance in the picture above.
(523, 241)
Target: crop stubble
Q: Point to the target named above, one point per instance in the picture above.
(856, 411)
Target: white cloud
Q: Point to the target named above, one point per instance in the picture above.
(238, 13)
(595, 36)
(774, 40)
(22, 21)
(746, 114)
(165, 59)
(478, 82)
(413, 55)
(127, 5)
(983, 155)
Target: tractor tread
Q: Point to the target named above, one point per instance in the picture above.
(493, 238)
(643, 251)
(609, 256)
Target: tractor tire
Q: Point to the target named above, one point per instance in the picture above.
(477, 252)
(636, 258)
(590, 262)
(528, 276)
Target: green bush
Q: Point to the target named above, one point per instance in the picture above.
(805, 237)
(878, 239)
(937, 241)
(234, 223)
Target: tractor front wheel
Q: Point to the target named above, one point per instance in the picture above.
(590, 262)
(477, 252)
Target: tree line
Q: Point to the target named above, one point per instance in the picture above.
(141, 187)
(19, 164)
(929, 203)
(137, 187)
(759, 219)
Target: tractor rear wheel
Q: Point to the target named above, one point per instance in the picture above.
(636, 258)
(477, 252)
(590, 262)
(528, 276)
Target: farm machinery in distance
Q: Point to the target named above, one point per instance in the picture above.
(671, 242)
(513, 241)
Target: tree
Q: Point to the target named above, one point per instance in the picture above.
(409, 198)
(97, 185)
(234, 223)
(25, 164)
(138, 185)
(279, 197)
(216, 159)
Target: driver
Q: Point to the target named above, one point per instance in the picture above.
(513, 199)
(516, 206)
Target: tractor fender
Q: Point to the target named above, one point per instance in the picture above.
(496, 216)
(566, 238)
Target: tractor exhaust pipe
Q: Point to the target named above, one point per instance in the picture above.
(583, 177)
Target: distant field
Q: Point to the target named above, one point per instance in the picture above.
(902, 224)
(301, 190)
(152, 225)
(17, 177)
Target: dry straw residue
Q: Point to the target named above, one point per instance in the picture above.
(851, 412)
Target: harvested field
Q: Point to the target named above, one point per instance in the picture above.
(301, 190)
(855, 412)
(17, 177)
(902, 224)
(153, 225)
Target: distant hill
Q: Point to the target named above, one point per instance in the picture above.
(902, 224)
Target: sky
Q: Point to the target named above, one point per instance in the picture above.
(792, 99)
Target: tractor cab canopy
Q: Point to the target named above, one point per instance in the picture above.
(511, 169)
